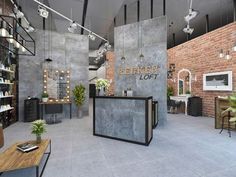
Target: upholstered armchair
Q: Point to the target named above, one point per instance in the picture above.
(230, 114)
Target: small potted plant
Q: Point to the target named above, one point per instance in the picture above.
(44, 97)
(38, 128)
(79, 97)
(188, 93)
(101, 86)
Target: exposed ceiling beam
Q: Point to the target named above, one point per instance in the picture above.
(84, 15)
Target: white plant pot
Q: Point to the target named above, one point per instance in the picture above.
(45, 100)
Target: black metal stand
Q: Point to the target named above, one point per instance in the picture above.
(37, 167)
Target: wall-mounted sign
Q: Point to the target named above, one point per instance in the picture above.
(144, 72)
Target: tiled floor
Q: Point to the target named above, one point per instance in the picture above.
(185, 147)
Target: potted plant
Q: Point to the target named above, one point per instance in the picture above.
(188, 93)
(170, 91)
(44, 97)
(38, 128)
(79, 97)
(101, 86)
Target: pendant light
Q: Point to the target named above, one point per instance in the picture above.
(10, 39)
(227, 56)
(141, 56)
(234, 47)
(221, 53)
(123, 57)
(16, 43)
(3, 29)
(22, 46)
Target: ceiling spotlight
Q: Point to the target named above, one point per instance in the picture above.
(30, 29)
(43, 12)
(92, 36)
(188, 29)
(18, 13)
(107, 46)
(191, 15)
(72, 27)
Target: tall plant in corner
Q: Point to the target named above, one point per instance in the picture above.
(79, 97)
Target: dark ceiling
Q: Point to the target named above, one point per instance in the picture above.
(99, 15)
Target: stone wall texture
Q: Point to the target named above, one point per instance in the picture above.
(152, 36)
(201, 56)
(68, 52)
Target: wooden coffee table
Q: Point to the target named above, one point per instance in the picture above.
(13, 159)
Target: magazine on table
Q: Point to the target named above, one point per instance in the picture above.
(26, 147)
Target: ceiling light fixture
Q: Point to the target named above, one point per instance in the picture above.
(191, 13)
(18, 13)
(188, 29)
(70, 20)
(72, 28)
(92, 36)
(42, 11)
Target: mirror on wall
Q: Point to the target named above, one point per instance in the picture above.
(184, 82)
(57, 85)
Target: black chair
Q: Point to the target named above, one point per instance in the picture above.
(173, 105)
(53, 109)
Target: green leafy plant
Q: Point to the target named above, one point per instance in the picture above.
(44, 95)
(187, 92)
(170, 91)
(38, 127)
(102, 83)
(232, 108)
(79, 94)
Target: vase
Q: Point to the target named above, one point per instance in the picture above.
(80, 113)
(45, 100)
(101, 92)
(38, 139)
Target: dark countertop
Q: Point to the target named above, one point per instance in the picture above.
(125, 97)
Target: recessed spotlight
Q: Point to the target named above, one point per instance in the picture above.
(91, 36)
(43, 12)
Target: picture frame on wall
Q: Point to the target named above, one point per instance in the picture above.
(218, 81)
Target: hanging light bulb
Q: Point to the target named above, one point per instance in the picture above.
(16, 43)
(22, 46)
(234, 47)
(3, 29)
(10, 39)
(141, 57)
(227, 56)
(221, 54)
(123, 59)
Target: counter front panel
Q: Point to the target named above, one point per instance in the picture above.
(127, 118)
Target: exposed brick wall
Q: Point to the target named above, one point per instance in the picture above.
(201, 56)
(110, 75)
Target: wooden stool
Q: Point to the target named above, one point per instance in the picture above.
(1, 136)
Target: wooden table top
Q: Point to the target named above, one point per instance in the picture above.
(13, 159)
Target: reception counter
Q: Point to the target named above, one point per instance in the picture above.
(123, 118)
